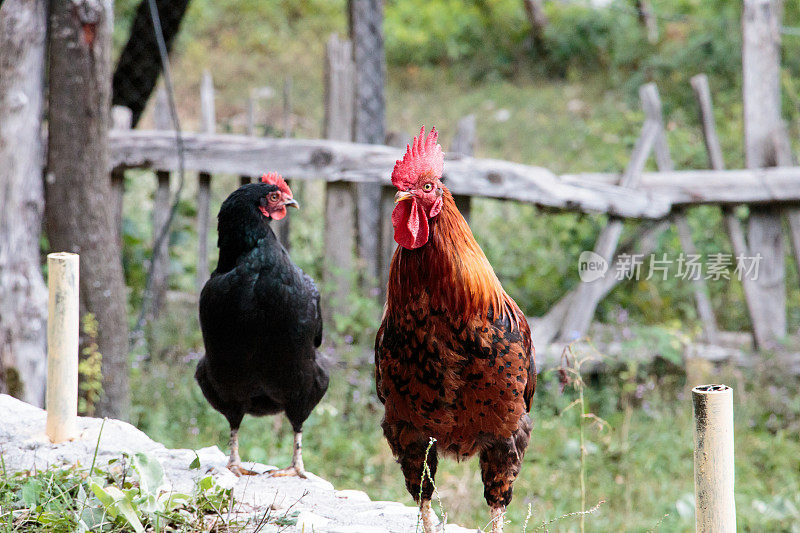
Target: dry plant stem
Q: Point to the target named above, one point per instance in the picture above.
(297, 468)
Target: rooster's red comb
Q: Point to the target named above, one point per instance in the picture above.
(423, 155)
(273, 178)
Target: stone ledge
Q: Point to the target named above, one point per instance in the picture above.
(322, 508)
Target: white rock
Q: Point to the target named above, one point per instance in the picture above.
(357, 528)
(211, 454)
(322, 509)
(353, 495)
(454, 528)
(225, 478)
(388, 511)
(308, 522)
(323, 483)
(259, 468)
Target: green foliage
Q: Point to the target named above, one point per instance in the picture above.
(90, 373)
(130, 495)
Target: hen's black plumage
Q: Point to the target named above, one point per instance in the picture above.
(261, 323)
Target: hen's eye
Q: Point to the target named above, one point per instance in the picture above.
(274, 197)
(428, 187)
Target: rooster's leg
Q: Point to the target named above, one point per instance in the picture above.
(498, 515)
(297, 468)
(235, 462)
(430, 522)
(500, 462)
(418, 460)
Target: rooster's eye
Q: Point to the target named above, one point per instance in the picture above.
(274, 197)
(427, 187)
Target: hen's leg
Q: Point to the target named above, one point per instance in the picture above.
(297, 468)
(235, 462)
(500, 464)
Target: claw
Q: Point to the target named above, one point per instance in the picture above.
(290, 471)
(240, 471)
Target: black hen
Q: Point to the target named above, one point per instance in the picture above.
(261, 321)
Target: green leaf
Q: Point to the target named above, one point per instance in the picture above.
(151, 474)
(206, 483)
(105, 498)
(30, 492)
(195, 464)
(123, 505)
(175, 500)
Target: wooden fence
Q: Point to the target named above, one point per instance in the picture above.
(657, 199)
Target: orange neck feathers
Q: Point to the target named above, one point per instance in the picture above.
(450, 270)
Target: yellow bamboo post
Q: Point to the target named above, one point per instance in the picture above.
(63, 330)
(713, 459)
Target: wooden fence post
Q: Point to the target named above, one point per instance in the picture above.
(647, 19)
(713, 459)
(120, 120)
(250, 128)
(584, 303)
(366, 33)
(209, 125)
(714, 150)
(464, 144)
(762, 118)
(63, 333)
(161, 209)
(283, 227)
(340, 202)
(651, 104)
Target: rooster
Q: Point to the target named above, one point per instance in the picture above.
(453, 355)
(261, 321)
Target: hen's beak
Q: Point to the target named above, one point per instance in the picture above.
(402, 195)
(291, 203)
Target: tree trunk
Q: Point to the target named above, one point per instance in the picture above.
(23, 298)
(139, 63)
(538, 20)
(366, 33)
(78, 211)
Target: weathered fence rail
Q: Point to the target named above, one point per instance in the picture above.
(655, 196)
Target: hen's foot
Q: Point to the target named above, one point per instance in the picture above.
(291, 471)
(239, 470)
(297, 468)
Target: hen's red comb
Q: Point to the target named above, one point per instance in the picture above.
(423, 155)
(273, 178)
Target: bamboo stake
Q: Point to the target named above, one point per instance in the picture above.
(62, 346)
(713, 459)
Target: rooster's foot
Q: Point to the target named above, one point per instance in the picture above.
(430, 522)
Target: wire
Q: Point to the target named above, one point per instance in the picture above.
(147, 297)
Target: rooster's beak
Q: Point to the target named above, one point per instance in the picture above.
(402, 195)
(291, 203)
